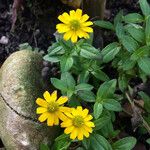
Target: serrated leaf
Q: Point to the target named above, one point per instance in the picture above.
(144, 64)
(110, 51)
(104, 24)
(126, 143)
(145, 7)
(133, 18)
(98, 108)
(112, 105)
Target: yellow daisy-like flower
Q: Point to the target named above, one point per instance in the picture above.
(78, 123)
(52, 109)
(74, 25)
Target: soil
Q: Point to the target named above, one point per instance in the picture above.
(36, 25)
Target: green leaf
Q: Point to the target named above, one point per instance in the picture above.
(84, 87)
(62, 142)
(144, 64)
(99, 74)
(104, 24)
(83, 77)
(59, 84)
(101, 122)
(44, 147)
(141, 52)
(118, 18)
(87, 96)
(124, 144)
(129, 43)
(146, 99)
(145, 7)
(89, 52)
(136, 31)
(66, 63)
(133, 18)
(148, 141)
(106, 89)
(98, 108)
(68, 79)
(98, 142)
(119, 30)
(110, 51)
(112, 105)
(123, 82)
(54, 49)
(147, 31)
(86, 143)
(128, 64)
(51, 58)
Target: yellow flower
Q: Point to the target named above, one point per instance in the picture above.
(78, 123)
(52, 109)
(74, 25)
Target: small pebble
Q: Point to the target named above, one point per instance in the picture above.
(4, 40)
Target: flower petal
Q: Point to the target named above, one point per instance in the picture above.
(68, 115)
(62, 100)
(78, 13)
(88, 23)
(50, 120)
(89, 124)
(87, 29)
(65, 18)
(56, 120)
(85, 113)
(69, 129)
(41, 102)
(85, 133)
(88, 129)
(54, 96)
(65, 109)
(80, 135)
(88, 117)
(47, 96)
(72, 13)
(61, 116)
(84, 18)
(66, 123)
(74, 37)
(61, 28)
(73, 134)
(68, 35)
(43, 117)
(41, 110)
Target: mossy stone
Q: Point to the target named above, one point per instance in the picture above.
(20, 84)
